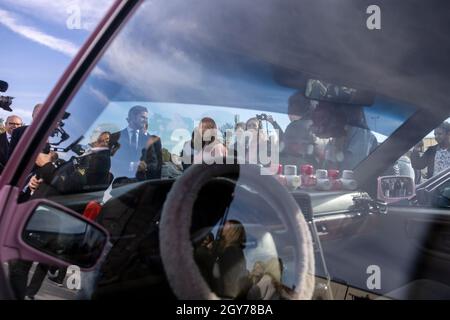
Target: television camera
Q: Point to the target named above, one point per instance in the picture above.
(60, 135)
(5, 101)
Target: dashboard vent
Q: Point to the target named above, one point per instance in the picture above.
(304, 202)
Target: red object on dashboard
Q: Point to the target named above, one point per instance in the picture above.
(280, 169)
(333, 174)
(307, 170)
(307, 176)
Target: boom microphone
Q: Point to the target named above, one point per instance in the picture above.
(3, 86)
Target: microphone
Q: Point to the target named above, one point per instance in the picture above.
(5, 101)
(3, 86)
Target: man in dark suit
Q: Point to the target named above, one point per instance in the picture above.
(134, 141)
(18, 133)
(12, 122)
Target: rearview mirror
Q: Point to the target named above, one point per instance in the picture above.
(395, 188)
(326, 91)
(64, 236)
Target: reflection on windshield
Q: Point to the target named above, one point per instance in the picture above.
(164, 102)
(162, 144)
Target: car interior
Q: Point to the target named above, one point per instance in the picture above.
(407, 241)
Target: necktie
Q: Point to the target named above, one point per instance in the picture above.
(133, 139)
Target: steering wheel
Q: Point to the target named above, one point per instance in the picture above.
(176, 248)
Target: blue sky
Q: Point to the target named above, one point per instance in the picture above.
(37, 45)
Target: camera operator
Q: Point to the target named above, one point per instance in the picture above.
(5, 101)
(54, 177)
(87, 172)
(264, 117)
(251, 140)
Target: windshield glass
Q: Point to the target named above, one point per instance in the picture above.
(162, 62)
(216, 84)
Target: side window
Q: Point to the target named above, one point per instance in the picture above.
(441, 196)
(430, 157)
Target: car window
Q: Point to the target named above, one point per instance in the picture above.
(424, 161)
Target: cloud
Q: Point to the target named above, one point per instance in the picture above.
(34, 34)
(24, 114)
(60, 11)
(179, 59)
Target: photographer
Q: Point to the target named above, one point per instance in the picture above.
(5, 101)
(53, 177)
(252, 140)
(87, 172)
(264, 117)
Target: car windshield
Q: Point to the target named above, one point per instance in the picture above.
(181, 75)
(324, 123)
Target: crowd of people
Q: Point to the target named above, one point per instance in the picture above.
(322, 134)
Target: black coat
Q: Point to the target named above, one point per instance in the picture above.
(15, 138)
(234, 281)
(86, 173)
(4, 150)
(425, 161)
(126, 154)
(152, 156)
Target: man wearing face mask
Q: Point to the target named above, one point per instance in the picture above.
(299, 107)
(298, 145)
(350, 142)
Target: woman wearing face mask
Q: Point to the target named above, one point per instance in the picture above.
(204, 146)
(253, 140)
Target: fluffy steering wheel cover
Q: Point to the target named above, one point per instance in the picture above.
(175, 243)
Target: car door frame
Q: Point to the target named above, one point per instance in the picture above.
(20, 163)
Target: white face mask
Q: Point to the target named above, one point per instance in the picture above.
(310, 150)
(340, 156)
(333, 154)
